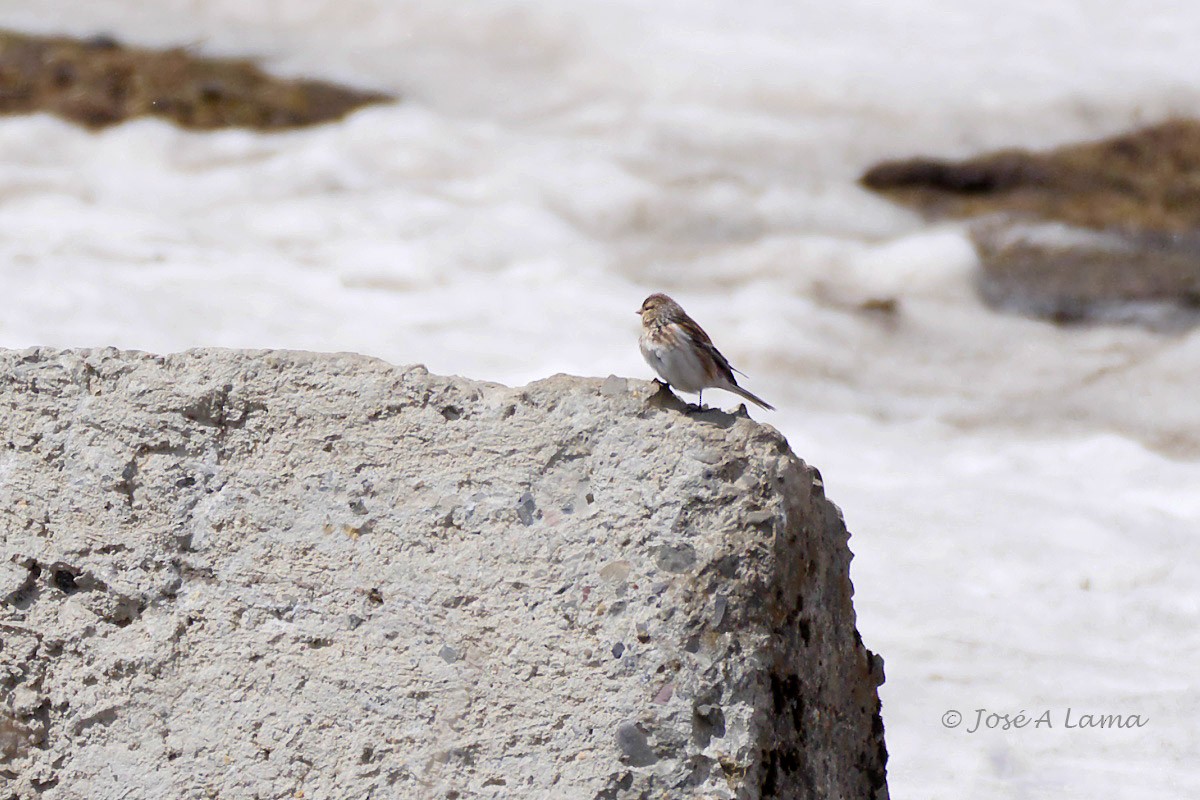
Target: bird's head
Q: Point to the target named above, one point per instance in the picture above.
(657, 306)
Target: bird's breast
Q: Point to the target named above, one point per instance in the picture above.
(677, 362)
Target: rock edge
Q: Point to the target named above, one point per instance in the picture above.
(256, 574)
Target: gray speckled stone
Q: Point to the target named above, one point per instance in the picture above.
(260, 574)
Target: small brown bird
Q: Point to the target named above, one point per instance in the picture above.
(682, 354)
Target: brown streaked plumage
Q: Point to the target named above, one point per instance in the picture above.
(682, 354)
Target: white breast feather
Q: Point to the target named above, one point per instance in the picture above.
(678, 366)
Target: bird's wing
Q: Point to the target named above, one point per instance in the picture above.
(702, 340)
(693, 331)
(721, 362)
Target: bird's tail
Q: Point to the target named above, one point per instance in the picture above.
(753, 398)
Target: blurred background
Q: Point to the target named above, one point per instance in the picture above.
(1024, 494)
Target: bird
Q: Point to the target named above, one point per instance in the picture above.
(682, 354)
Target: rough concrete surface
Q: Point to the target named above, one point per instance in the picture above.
(275, 574)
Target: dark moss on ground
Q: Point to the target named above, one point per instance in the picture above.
(1147, 180)
(1105, 231)
(99, 82)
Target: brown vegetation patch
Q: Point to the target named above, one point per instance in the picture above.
(1104, 231)
(1147, 180)
(98, 82)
